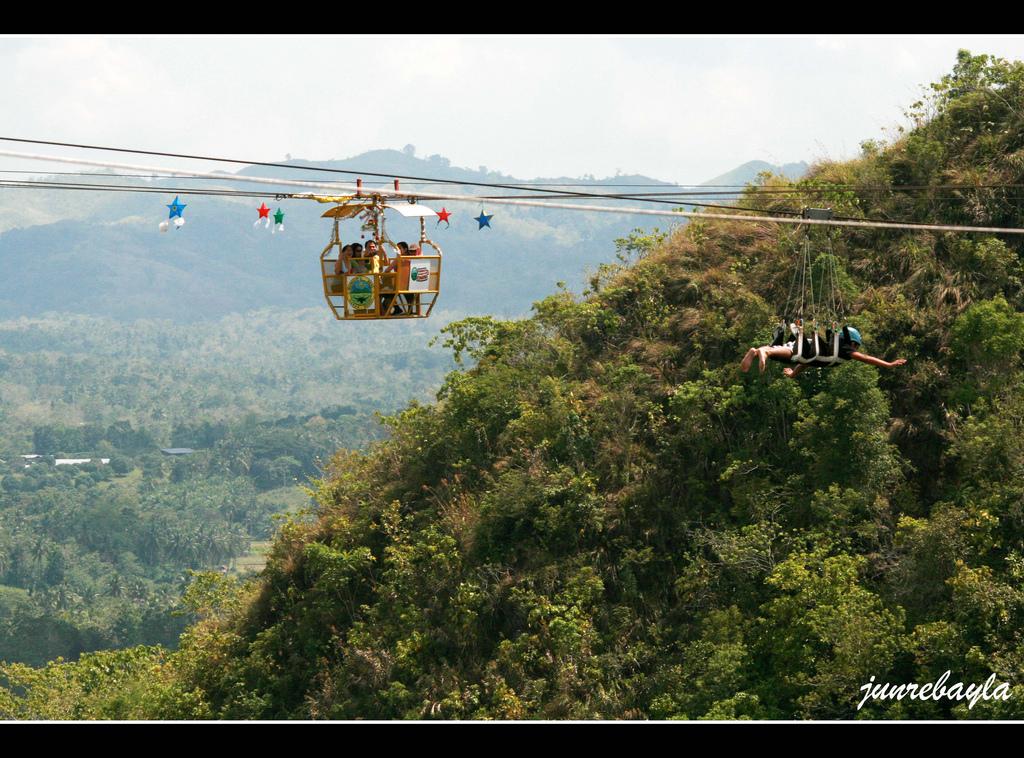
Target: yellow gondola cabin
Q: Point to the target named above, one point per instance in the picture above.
(385, 286)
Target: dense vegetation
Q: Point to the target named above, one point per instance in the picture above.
(602, 517)
(71, 369)
(95, 555)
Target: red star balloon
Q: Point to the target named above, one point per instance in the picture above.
(442, 215)
(264, 211)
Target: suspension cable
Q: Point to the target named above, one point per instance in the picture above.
(413, 196)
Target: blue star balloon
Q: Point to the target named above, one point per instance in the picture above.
(483, 220)
(176, 208)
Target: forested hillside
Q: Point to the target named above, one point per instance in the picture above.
(72, 369)
(95, 554)
(601, 516)
(95, 551)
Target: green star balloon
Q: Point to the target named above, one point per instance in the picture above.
(279, 216)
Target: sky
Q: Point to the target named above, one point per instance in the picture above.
(682, 109)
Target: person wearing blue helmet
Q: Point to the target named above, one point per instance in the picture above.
(849, 349)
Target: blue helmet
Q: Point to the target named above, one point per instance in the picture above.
(854, 335)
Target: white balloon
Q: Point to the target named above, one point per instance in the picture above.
(179, 222)
(164, 226)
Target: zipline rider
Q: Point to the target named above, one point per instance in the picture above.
(849, 343)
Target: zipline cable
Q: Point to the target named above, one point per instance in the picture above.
(678, 201)
(526, 186)
(199, 191)
(525, 203)
(293, 167)
(43, 184)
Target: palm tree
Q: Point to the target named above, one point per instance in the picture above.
(39, 549)
(116, 587)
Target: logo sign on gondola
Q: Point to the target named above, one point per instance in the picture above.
(360, 292)
(419, 274)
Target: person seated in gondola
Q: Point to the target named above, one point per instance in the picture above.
(342, 265)
(404, 303)
(401, 302)
(380, 264)
(358, 266)
(414, 300)
(849, 349)
(373, 250)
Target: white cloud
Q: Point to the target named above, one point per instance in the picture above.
(676, 108)
(833, 43)
(82, 84)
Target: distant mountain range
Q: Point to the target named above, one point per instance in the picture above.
(749, 171)
(101, 253)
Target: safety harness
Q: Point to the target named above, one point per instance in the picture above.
(824, 300)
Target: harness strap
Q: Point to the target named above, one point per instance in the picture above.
(834, 358)
(798, 356)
